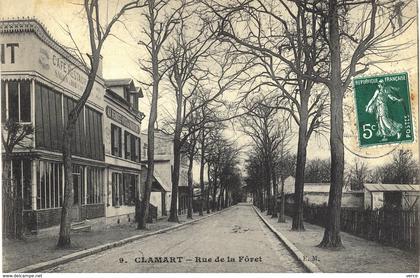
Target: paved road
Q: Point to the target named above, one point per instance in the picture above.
(237, 236)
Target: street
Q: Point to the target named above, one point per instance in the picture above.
(235, 240)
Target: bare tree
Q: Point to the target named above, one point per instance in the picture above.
(357, 175)
(288, 47)
(97, 35)
(161, 21)
(351, 43)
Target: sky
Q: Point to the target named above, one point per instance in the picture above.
(121, 60)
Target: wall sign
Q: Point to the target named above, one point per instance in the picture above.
(121, 119)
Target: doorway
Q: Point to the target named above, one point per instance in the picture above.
(76, 210)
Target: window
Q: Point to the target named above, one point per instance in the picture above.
(127, 144)
(123, 189)
(48, 118)
(49, 181)
(94, 185)
(94, 144)
(16, 97)
(21, 173)
(116, 140)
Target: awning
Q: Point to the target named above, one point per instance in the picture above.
(378, 187)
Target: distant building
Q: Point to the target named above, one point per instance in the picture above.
(405, 196)
(163, 166)
(318, 193)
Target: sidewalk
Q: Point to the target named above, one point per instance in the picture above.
(33, 250)
(358, 255)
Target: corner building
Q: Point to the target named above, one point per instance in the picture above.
(40, 83)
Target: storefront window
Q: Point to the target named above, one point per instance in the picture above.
(94, 185)
(49, 185)
(123, 189)
(21, 170)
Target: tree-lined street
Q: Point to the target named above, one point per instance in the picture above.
(235, 233)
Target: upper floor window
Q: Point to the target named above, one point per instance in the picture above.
(132, 147)
(116, 140)
(16, 101)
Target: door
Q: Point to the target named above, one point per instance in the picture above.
(76, 208)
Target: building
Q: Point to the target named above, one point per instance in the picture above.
(163, 166)
(404, 196)
(318, 193)
(40, 83)
(122, 125)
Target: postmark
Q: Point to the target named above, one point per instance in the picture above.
(383, 111)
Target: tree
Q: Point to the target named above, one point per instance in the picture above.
(403, 169)
(161, 21)
(357, 175)
(97, 35)
(268, 131)
(287, 46)
(318, 171)
(363, 37)
(14, 135)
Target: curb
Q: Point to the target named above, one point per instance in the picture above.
(84, 253)
(310, 266)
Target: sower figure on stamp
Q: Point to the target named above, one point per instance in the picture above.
(377, 104)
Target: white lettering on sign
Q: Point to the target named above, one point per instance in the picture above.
(121, 119)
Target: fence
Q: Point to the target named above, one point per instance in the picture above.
(395, 227)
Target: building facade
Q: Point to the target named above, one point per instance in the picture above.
(122, 125)
(40, 84)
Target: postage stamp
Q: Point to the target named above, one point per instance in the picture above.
(383, 112)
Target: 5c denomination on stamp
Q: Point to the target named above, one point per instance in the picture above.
(383, 111)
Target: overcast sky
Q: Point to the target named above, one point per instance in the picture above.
(120, 56)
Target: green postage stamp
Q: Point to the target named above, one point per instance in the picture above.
(383, 112)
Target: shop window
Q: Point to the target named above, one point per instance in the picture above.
(94, 185)
(21, 173)
(116, 140)
(123, 189)
(49, 185)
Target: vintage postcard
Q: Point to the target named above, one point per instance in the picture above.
(209, 136)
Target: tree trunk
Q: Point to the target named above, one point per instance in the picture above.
(297, 223)
(282, 218)
(202, 162)
(173, 215)
(332, 237)
(209, 187)
(275, 190)
(68, 133)
(7, 202)
(190, 185)
(64, 240)
(214, 206)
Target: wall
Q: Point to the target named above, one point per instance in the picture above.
(156, 200)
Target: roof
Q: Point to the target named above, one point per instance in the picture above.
(378, 187)
(165, 186)
(124, 82)
(118, 82)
